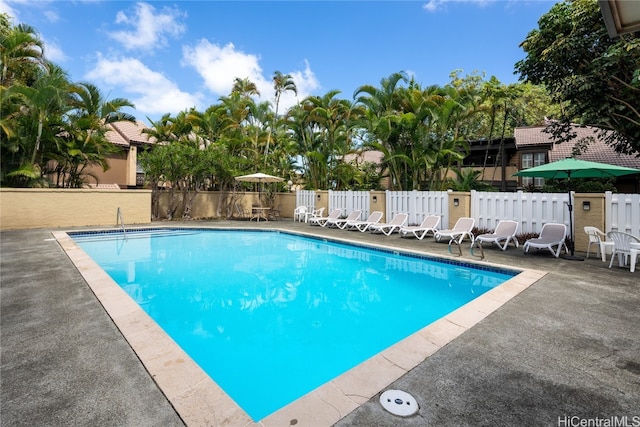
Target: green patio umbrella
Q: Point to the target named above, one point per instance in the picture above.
(574, 168)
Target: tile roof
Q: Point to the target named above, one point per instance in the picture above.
(126, 133)
(596, 151)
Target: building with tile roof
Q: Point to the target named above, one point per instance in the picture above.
(123, 165)
(595, 150)
(534, 147)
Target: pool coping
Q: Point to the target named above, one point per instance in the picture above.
(198, 400)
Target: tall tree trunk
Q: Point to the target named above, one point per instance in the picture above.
(37, 146)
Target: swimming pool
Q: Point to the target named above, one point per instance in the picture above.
(275, 337)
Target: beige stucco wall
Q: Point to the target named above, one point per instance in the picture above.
(595, 216)
(205, 204)
(378, 202)
(38, 208)
(287, 204)
(459, 207)
(122, 169)
(322, 201)
(116, 174)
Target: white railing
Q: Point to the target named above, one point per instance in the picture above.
(531, 210)
(622, 213)
(419, 204)
(349, 201)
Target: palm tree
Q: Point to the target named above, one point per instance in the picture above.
(93, 110)
(382, 121)
(281, 83)
(245, 87)
(44, 103)
(21, 53)
(329, 138)
(381, 100)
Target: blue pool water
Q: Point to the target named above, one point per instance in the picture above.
(271, 316)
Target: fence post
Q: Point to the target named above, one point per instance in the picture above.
(459, 206)
(322, 200)
(378, 202)
(588, 210)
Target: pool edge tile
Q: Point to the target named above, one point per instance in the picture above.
(325, 405)
(207, 404)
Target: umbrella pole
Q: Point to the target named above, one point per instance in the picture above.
(572, 244)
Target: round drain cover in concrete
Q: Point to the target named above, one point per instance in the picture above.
(399, 403)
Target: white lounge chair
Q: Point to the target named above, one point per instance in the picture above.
(429, 224)
(395, 224)
(552, 235)
(626, 246)
(460, 230)
(599, 238)
(504, 233)
(322, 220)
(342, 222)
(362, 226)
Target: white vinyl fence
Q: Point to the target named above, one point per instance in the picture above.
(306, 198)
(532, 210)
(349, 201)
(622, 213)
(419, 204)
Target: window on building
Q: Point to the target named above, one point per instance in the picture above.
(530, 160)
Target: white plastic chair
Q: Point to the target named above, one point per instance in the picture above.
(622, 246)
(599, 238)
(552, 235)
(315, 213)
(300, 213)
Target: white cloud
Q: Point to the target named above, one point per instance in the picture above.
(151, 92)
(51, 16)
(149, 28)
(219, 66)
(6, 8)
(434, 5)
(53, 52)
(306, 84)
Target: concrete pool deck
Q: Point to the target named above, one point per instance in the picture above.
(567, 346)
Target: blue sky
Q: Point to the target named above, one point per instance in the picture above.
(168, 56)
